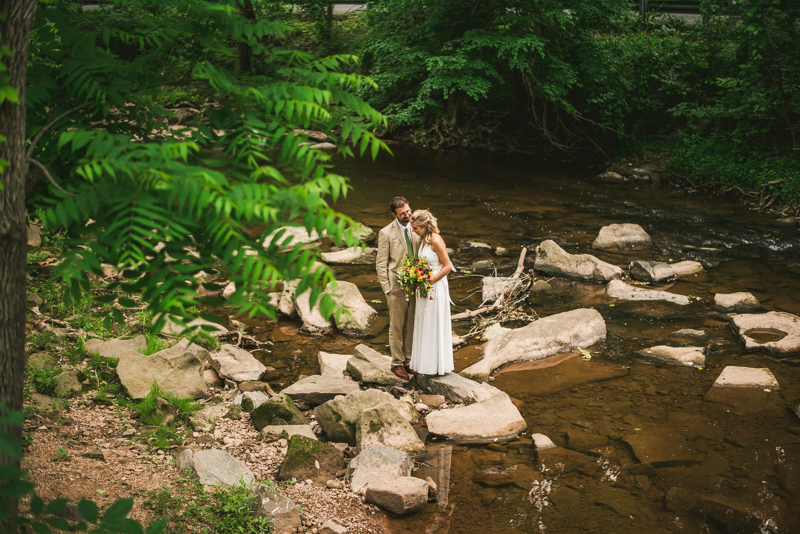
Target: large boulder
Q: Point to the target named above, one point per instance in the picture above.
(659, 447)
(545, 337)
(278, 508)
(333, 365)
(779, 332)
(383, 425)
(377, 465)
(403, 495)
(358, 315)
(691, 356)
(314, 323)
(214, 468)
(620, 290)
(456, 388)
(309, 459)
(237, 364)
(115, 347)
(621, 237)
(488, 420)
(741, 301)
(651, 271)
(183, 347)
(339, 417)
(279, 410)
(552, 259)
(767, 515)
(317, 389)
(370, 366)
(181, 375)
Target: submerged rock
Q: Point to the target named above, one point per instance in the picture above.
(770, 515)
(403, 495)
(377, 465)
(552, 259)
(279, 410)
(651, 271)
(359, 315)
(214, 468)
(236, 364)
(690, 333)
(370, 366)
(545, 337)
(487, 420)
(308, 459)
(736, 301)
(779, 332)
(317, 389)
(746, 377)
(621, 237)
(383, 425)
(691, 356)
(620, 290)
(659, 447)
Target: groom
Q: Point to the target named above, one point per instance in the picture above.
(395, 242)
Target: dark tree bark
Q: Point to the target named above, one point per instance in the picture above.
(15, 32)
(245, 50)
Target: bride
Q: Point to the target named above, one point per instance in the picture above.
(432, 350)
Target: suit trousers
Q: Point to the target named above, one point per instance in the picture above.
(401, 327)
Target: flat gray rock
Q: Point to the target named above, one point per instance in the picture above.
(621, 237)
(318, 389)
(778, 332)
(182, 347)
(620, 290)
(115, 347)
(687, 268)
(370, 366)
(542, 442)
(332, 364)
(172, 328)
(659, 447)
(279, 410)
(289, 236)
(545, 337)
(359, 315)
(691, 356)
(214, 468)
(349, 255)
(339, 417)
(383, 425)
(488, 420)
(553, 260)
(455, 388)
(403, 495)
(736, 301)
(180, 375)
(689, 332)
(746, 377)
(272, 432)
(651, 271)
(377, 465)
(314, 323)
(236, 364)
(278, 508)
(250, 400)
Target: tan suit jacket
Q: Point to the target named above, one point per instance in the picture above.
(392, 250)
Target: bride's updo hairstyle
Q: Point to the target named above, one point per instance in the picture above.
(424, 219)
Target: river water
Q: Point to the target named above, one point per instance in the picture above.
(743, 445)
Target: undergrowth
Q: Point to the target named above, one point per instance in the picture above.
(164, 416)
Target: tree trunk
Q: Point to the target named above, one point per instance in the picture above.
(245, 50)
(15, 32)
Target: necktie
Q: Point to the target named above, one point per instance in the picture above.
(408, 243)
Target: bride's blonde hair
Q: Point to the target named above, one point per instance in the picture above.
(424, 219)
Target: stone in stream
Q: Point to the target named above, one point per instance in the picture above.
(769, 515)
(779, 332)
(285, 302)
(690, 333)
(214, 468)
(746, 377)
(318, 389)
(620, 290)
(377, 465)
(542, 338)
(236, 364)
(349, 255)
(278, 508)
(291, 236)
(339, 417)
(383, 425)
(621, 237)
(370, 366)
(332, 364)
(741, 301)
(651, 271)
(181, 375)
(279, 410)
(560, 461)
(455, 388)
(273, 432)
(309, 459)
(115, 347)
(494, 286)
(402, 495)
(584, 441)
(553, 260)
(691, 356)
(487, 420)
(609, 177)
(687, 268)
(314, 323)
(478, 245)
(659, 447)
(494, 330)
(542, 442)
(618, 500)
(359, 315)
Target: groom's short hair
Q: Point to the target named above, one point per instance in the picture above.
(397, 203)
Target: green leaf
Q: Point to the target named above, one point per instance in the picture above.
(88, 510)
(8, 93)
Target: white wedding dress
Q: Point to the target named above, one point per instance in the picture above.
(432, 350)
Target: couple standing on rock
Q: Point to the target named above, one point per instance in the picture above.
(420, 331)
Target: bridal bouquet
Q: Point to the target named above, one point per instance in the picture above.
(414, 274)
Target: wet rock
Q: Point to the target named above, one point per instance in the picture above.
(583, 441)
(609, 177)
(770, 515)
(779, 332)
(545, 337)
(619, 501)
(681, 501)
(651, 271)
(252, 400)
(431, 401)
(236, 364)
(488, 420)
(348, 255)
(309, 459)
(333, 365)
(279, 410)
(339, 417)
(455, 388)
(687, 268)
(285, 302)
(359, 316)
(331, 527)
(560, 461)
(278, 508)
(501, 251)
(620, 290)
(621, 237)
(181, 376)
(314, 323)
(318, 389)
(691, 356)
(383, 425)
(746, 377)
(115, 347)
(690, 333)
(370, 366)
(172, 328)
(290, 236)
(736, 301)
(553, 260)
(494, 330)
(273, 432)
(214, 468)
(542, 442)
(403, 495)
(659, 447)
(789, 477)
(482, 265)
(377, 465)
(478, 245)
(785, 222)
(183, 347)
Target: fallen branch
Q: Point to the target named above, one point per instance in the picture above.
(499, 302)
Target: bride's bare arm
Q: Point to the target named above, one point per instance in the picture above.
(438, 246)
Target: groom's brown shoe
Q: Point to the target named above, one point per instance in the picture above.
(410, 371)
(399, 371)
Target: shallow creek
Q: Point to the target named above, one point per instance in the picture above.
(744, 446)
